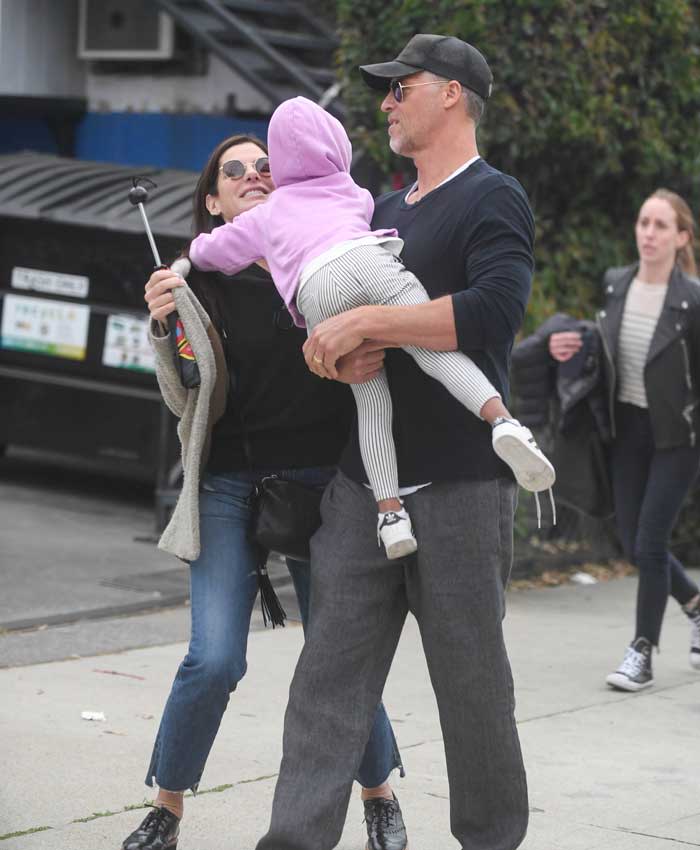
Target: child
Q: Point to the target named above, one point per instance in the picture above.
(314, 232)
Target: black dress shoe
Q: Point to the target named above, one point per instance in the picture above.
(158, 831)
(385, 826)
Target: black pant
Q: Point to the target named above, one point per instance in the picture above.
(649, 486)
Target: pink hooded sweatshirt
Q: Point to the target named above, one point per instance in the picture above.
(315, 206)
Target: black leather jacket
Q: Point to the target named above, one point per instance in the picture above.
(672, 370)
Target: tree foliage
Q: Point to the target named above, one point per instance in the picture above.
(595, 104)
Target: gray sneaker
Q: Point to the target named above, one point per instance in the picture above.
(635, 671)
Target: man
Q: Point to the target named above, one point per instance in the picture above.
(468, 234)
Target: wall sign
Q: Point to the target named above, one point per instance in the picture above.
(126, 344)
(42, 326)
(54, 283)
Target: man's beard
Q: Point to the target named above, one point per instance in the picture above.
(400, 146)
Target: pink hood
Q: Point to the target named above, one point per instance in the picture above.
(315, 206)
(306, 142)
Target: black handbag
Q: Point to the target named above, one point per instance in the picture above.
(287, 515)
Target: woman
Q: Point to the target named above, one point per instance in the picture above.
(279, 419)
(650, 330)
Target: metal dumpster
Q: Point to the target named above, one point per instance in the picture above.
(76, 372)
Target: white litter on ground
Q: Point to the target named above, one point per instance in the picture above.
(583, 578)
(93, 715)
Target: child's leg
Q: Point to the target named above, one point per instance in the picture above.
(511, 441)
(387, 282)
(372, 275)
(374, 413)
(461, 376)
(319, 299)
(454, 370)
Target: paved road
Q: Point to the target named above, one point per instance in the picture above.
(606, 771)
(79, 569)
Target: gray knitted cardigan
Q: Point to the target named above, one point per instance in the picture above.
(197, 409)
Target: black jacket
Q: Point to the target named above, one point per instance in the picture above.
(279, 415)
(469, 239)
(672, 370)
(570, 397)
(538, 378)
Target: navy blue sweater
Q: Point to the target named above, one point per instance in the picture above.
(471, 238)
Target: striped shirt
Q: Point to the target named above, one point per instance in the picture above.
(643, 307)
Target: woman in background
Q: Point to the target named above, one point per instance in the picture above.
(650, 328)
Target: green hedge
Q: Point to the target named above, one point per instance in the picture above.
(596, 103)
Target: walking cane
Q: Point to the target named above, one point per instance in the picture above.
(185, 361)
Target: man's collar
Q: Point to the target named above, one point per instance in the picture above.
(447, 179)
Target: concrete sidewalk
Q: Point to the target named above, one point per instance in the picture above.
(70, 545)
(80, 573)
(606, 770)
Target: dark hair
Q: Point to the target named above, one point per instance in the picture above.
(685, 256)
(203, 284)
(203, 221)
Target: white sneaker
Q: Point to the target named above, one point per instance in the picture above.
(516, 446)
(394, 530)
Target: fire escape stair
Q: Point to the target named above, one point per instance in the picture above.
(278, 46)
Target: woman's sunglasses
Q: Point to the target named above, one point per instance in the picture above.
(396, 87)
(234, 169)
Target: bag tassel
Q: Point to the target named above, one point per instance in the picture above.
(270, 605)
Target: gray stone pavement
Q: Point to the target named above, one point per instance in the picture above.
(69, 542)
(79, 570)
(607, 771)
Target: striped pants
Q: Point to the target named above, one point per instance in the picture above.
(369, 274)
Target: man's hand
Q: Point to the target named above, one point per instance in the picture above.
(331, 339)
(362, 364)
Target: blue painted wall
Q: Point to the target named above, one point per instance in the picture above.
(131, 138)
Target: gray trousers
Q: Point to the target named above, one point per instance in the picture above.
(370, 274)
(454, 586)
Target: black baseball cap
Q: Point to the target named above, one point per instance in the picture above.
(443, 55)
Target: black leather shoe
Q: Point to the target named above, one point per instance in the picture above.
(158, 831)
(385, 826)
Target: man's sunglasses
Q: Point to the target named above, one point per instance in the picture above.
(234, 169)
(396, 87)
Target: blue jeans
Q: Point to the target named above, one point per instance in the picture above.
(223, 588)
